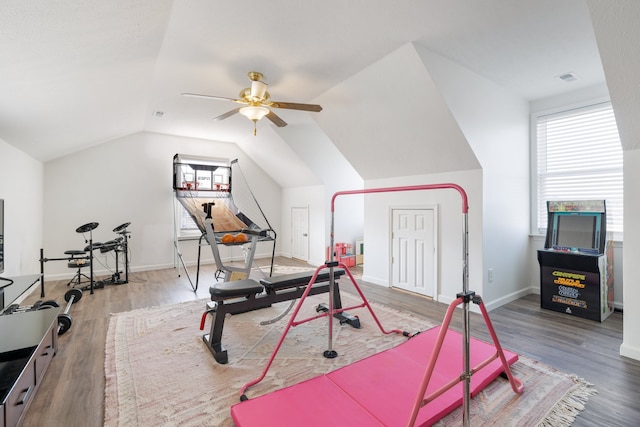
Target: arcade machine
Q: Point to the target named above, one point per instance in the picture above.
(576, 264)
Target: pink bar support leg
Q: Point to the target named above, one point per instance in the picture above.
(432, 361)
(421, 401)
(293, 322)
(366, 304)
(516, 384)
(282, 337)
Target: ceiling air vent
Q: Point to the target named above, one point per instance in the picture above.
(568, 77)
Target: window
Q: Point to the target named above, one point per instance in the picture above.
(188, 226)
(579, 157)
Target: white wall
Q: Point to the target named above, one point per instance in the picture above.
(336, 174)
(495, 122)
(576, 98)
(617, 33)
(417, 135)
(377, 233)
(631, 342)
(21, 187)
(130, 180)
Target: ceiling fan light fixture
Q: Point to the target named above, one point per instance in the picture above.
(254, 113)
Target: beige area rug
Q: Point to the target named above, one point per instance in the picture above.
(159, 372)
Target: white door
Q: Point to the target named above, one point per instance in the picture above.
(413, 250)
(300, 233)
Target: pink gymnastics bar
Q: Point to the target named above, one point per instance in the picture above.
(464, 298)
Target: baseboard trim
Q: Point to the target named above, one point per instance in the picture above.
(631, 352)
(375, 281)
(507, 299)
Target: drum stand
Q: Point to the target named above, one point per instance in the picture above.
(71, 257)
(83, 229)
(122, 246)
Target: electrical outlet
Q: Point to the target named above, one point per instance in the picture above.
(490, 275)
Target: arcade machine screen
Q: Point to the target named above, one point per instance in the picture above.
(577, 232)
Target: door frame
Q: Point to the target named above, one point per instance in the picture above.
(436, 239)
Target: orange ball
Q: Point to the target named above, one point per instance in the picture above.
(227, 238)
(241, 238)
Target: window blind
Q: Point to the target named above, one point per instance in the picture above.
(579, 157)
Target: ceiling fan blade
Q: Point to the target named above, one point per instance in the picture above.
(276, 119)
(227, 114)
(219, 98)
(296, 106)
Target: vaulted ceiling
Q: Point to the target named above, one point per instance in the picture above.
(77, 73)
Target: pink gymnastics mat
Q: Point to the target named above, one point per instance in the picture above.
(379, 390)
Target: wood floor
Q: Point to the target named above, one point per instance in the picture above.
(72, 391)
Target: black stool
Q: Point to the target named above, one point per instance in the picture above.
(78, 260)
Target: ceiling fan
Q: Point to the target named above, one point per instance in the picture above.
(257, 103)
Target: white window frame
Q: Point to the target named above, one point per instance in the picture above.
(187, 228)
(538, 227)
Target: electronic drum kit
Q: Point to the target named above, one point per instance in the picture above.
(80, 258)
(118, 245)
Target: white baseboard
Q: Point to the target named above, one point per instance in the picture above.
(631, 352)
(150, 267)
(448, 300)
(375, 281)
(489, 306)
(104, 272)
(506, 299)
(316, 263)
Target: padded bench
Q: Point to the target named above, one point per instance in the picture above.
(284, 281)
(240, 296)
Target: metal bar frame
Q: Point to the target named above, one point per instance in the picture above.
(464, 298)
